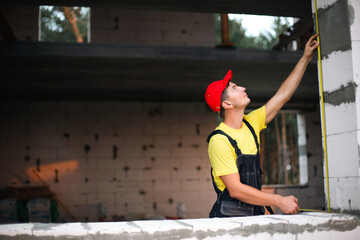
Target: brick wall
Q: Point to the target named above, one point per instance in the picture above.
(134, 157)
(114, 25)
(23, 20)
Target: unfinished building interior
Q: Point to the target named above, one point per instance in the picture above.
(114, 129)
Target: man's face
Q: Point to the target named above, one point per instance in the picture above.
(237, 96)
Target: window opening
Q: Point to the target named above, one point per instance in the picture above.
(283, 150)
(254, 31)
(64, 24)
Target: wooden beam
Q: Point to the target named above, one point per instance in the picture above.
(225, 33)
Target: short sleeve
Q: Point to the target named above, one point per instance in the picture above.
(222, 156)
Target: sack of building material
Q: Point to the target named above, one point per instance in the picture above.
(39, 210)
(8, 212)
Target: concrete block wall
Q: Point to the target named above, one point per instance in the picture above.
(339, 23)
(115, 25)
(23, 20)
(135, 158)
(131, 157)
(305, 226)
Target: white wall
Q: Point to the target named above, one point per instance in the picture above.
(341, 99)
(114, 25)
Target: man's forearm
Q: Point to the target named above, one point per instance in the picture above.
(289, 86)
(250, 195)
(254, 196)
(291, 83)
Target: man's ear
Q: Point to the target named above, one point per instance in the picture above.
(226, 105)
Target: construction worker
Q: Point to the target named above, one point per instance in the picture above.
(234, 145)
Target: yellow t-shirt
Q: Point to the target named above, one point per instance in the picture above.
(221, 152)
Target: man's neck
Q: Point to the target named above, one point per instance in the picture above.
(234, 119)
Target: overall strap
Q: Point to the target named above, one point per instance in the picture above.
(253, 133)
(217, 190)
(269, 210)
(257, 146)
(237, 151)
(231, 140)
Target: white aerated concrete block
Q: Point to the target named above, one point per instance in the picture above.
(72, 107)
(166, 186)
(14, 130)
(183, 130)
(138, 163)
(354, 19)
(304, 226)
(343, 159)
(23, 142)
(72, 130)
(152, 27)
(356, 60)
(158, 129)
(112, 228)
(344, 193)
(100, 106)
(43, 107)
(324, 3)
(151, 227)
(81, 118)
(129, 129)
(76, 229)
(42, 129)
(50, 141)
(79, 187)
(157, 174)
(146, 141)
(14, 106)
(356, 72)
(185, 173)
(12, 230)
(335, 74)
(162, 152)
(47, 118)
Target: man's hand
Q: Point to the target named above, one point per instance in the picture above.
(310, 47)
(289, 205)
(250, 195)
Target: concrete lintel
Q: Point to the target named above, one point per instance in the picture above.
(144, 51)
(303, 226)
(52, 71)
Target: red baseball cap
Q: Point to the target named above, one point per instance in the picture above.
(214, 91)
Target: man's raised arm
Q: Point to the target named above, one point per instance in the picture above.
(291, 83)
